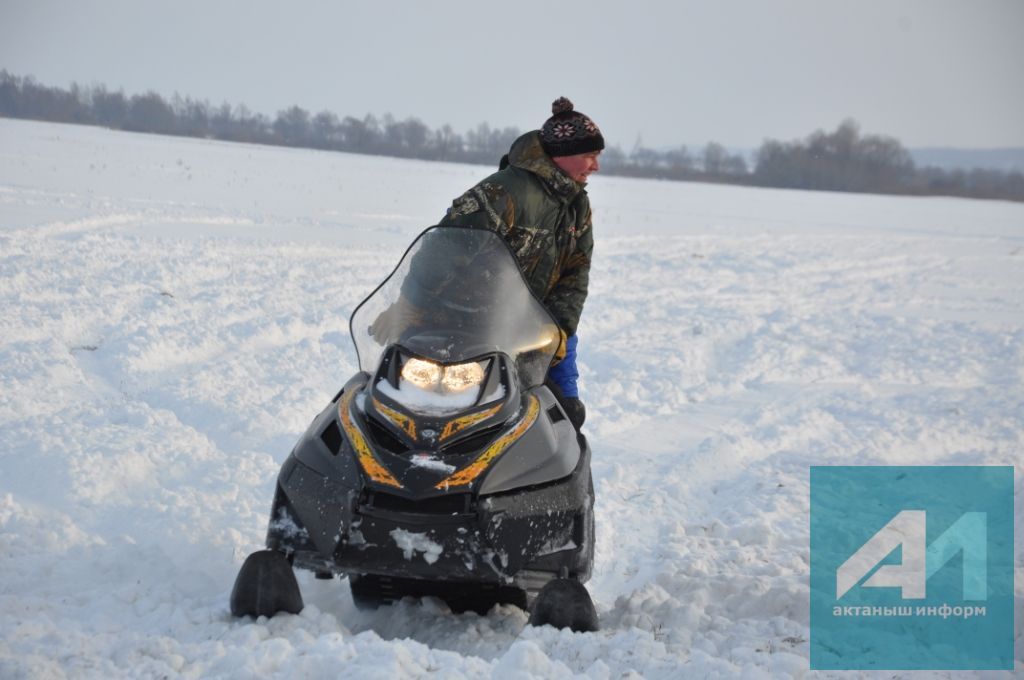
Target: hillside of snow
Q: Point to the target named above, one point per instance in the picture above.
(175, 312)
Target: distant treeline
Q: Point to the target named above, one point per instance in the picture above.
(843, 160)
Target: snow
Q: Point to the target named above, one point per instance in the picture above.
(175, 312)
(411, 543)
(430, 462)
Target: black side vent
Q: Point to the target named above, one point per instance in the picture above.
(555, 414)
(474, 442)
(383, 437)
(331, 436)
(441, 505)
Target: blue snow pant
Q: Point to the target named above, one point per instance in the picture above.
(564, 373)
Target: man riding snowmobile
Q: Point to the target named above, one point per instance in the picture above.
(537, 202)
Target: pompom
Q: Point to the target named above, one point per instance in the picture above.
(561, 105)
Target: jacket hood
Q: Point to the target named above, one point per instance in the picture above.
(528, 154)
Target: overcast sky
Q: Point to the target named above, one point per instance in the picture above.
(929, 72)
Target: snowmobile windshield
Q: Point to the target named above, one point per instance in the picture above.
(457, 295)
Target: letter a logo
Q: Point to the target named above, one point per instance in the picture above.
(906, 529)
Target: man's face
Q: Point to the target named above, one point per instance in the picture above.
(579, 166)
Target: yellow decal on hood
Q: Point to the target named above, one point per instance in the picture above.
(371, 466)
(453, 427)
(404, 422)
(469, 473)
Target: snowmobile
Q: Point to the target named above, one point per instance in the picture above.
(445, 467)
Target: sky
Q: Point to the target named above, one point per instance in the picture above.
(932, 73)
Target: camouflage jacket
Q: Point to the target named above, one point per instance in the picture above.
(545, 218)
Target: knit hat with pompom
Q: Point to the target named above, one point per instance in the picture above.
(568, 132)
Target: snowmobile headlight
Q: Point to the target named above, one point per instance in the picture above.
(423, 374)
(437, 378)
(462, 376)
